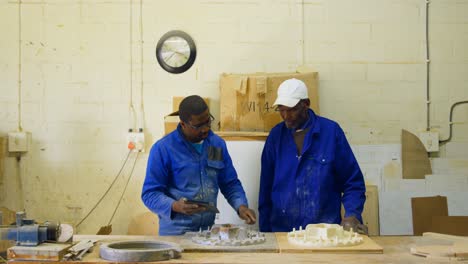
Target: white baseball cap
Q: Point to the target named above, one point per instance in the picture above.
(290, 92)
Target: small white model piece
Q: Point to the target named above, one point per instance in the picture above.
(324, 235)
(228, 235)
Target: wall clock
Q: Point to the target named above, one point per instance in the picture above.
(176, 51)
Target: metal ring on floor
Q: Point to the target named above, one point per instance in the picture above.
(139, 251)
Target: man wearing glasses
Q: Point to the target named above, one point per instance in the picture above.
(186, 169)
(308, 169)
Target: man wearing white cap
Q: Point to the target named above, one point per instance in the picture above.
(308, 169)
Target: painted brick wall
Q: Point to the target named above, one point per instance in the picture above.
(370, 55)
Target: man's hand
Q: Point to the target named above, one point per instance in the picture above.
(353, 222)
(247, 214)
(182, 207)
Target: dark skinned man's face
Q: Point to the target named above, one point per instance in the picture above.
(294, 117)
(198, 127)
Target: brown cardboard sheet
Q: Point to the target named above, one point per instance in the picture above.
(370, 214)
(423, 209)
(415, 161)
(451, 225)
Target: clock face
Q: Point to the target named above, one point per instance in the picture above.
(176, 51)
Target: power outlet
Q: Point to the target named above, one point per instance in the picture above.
(18, 142)
(136, 141)
(430, 141)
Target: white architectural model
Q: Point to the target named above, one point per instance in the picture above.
(324, 235)
(228, 235)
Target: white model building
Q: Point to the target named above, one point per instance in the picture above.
(324, 235)
(228, 235)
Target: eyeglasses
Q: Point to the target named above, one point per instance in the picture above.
(200, 126)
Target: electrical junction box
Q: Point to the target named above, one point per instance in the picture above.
(430, 140)
(136, 141)
(19, 141)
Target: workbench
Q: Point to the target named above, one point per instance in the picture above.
(396, 249)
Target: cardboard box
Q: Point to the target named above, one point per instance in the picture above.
(172, 120)
(246, 100)
(424, 209)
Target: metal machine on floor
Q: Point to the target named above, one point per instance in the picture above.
(26, 232)
(32, 240)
